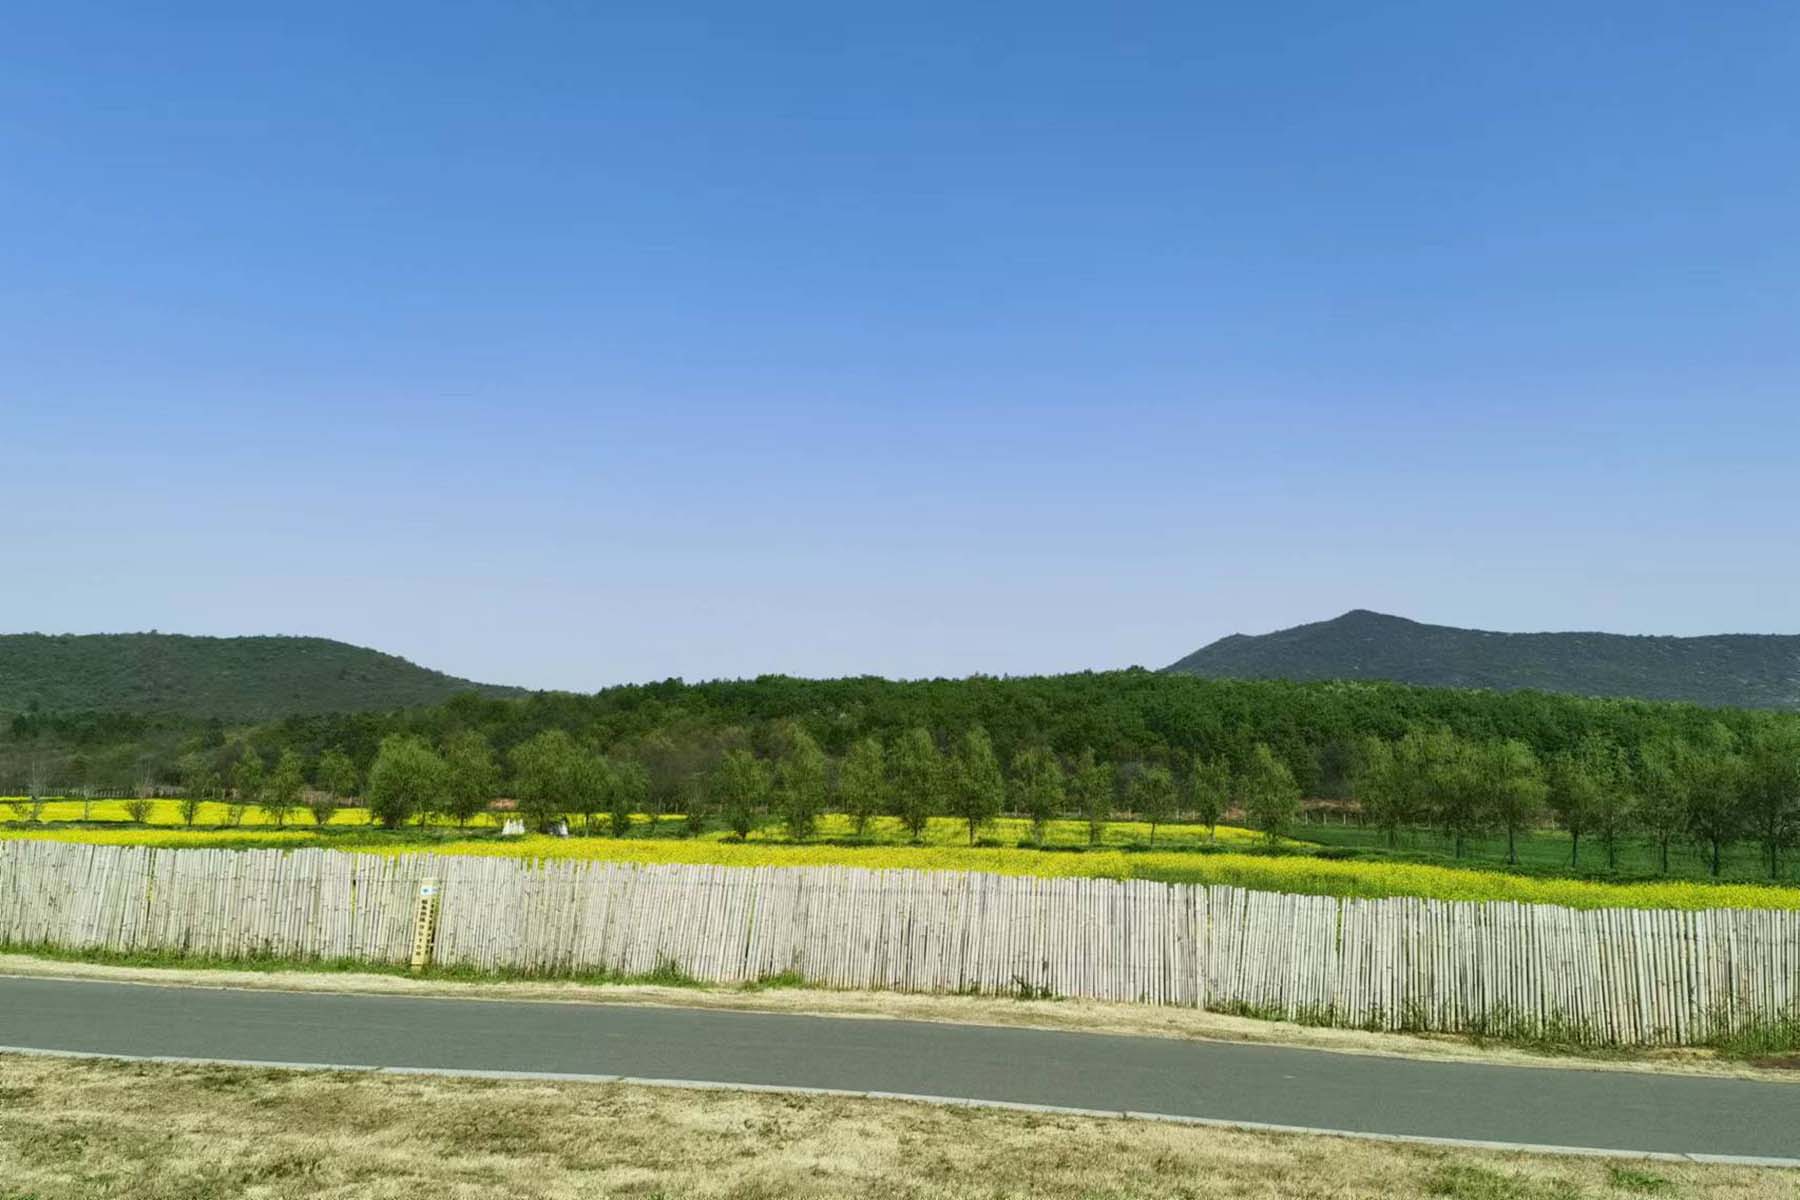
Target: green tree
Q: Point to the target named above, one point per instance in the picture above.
(1574, 788)
(1039, 785)
(741, 783)
(473, 776)
(1615, 809)
(918, 784)
(588, 784)
(246, 786)
(143, 790)
(1152, 797)
(407, 777)
(199, 783)
(1446, 770)
(1209, 791)
(1770, 790)
(1271, 797)
(862, 784)
(282, 790)
(337, 780)
(78, 779)
(1713, 786)
(546, 777)
(1662, 808)
(1384, 786)
(1091, 789)
(977, 789)
(799, 786)
(138, 808)
(694, 804)
(629, 793)
(1513, 788)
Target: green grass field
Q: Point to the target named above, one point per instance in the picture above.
(1546, 852)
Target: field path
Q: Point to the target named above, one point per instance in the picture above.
(1212, 1081)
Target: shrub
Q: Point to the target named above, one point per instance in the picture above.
(322, 805)
(26, 808)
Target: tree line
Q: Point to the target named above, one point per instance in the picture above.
(552, 777)
(1465, 762)
(1712, 790)
(674, 727)
(1123, 716)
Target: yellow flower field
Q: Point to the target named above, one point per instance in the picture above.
(942, 831)
(946, 849)
(167, 812)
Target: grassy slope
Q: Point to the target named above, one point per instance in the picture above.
(1184, 855)
(160, 1131)
(240, 679)
(1745, 670)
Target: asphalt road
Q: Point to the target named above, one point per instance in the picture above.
(1216, 1080)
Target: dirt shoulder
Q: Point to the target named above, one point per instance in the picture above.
(1078, 1016)
(154, 1131)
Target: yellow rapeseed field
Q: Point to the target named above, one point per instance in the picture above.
(167, 812)
(942, 831)
(945, 848)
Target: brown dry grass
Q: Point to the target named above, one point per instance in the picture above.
(1085, 1016)
(86, 1128)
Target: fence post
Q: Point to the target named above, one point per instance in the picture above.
(424, 923)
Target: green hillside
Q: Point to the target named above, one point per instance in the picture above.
(1740, 670)
(237, 679)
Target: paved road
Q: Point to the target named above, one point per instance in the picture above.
(1217, 1080)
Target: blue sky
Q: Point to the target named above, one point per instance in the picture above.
(565, 344)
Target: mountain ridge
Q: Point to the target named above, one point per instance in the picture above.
(1740, 670)
(251, 678)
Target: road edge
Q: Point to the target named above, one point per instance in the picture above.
(1120, 1020)
(1738, 1160)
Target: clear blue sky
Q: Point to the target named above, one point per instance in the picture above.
(566, 344)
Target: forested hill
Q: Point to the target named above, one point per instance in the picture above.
(679, 731)
(1124, 716)
(236, 679)
(1741, 670)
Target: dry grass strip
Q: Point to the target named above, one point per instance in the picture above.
(88, 1128)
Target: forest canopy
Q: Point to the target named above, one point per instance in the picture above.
(1123, 716)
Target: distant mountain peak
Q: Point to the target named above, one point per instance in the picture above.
(1739, 670)
(235, 678)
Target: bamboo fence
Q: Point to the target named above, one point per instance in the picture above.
(1604, 976)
